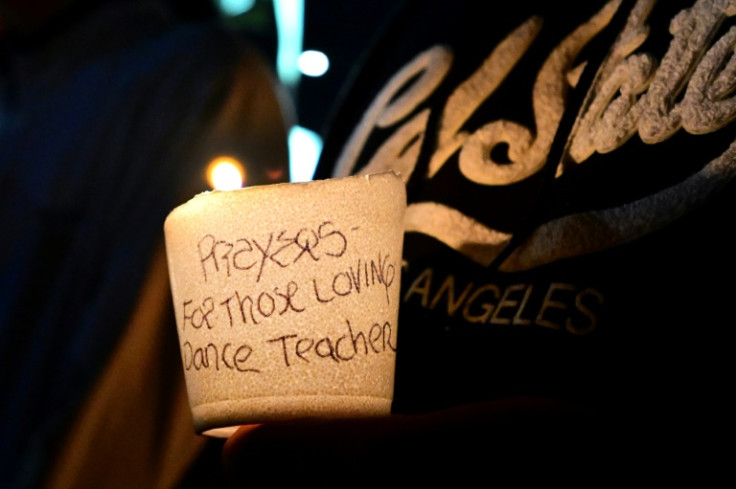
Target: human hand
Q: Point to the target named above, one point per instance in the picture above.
(507, 437)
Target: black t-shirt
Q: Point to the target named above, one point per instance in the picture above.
(569, 168)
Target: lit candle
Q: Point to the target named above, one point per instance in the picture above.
(286, 299)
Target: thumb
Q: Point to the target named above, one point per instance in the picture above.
(309, 450)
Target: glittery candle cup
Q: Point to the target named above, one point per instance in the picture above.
(286, 299)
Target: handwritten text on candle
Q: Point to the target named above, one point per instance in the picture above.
(249, 296)
(282, 249)
(291, 348)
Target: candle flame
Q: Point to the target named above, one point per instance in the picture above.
(225, 173)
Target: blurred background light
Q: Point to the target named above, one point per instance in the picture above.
(225, 173)
(313, 48)
(313, 63)
(290, 26)
(304, 150)
(232, 8)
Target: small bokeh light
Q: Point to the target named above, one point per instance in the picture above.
(232, 8)
(225, 173)
(313, 63)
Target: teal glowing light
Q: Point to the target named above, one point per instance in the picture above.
(232, 8)
(290, 25)
(305, 147)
